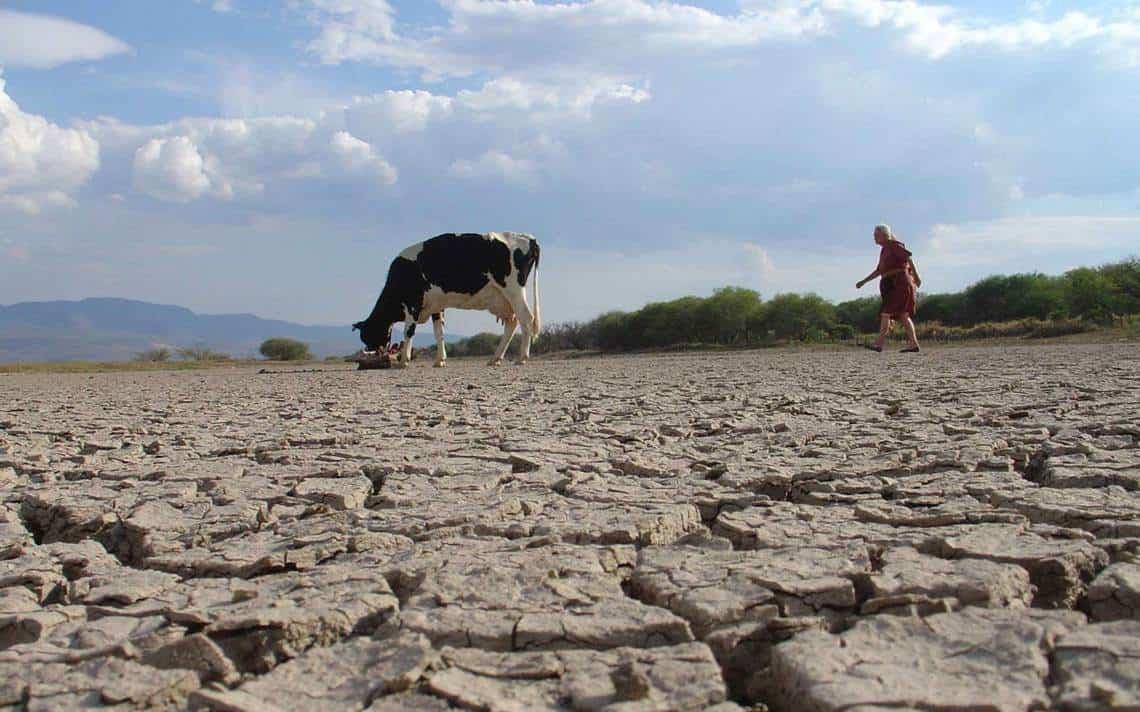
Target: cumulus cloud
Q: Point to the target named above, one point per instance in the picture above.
(399, 112)
(43, 41)
(358, 158)
(500, 130)
(173, 169)
(232, 159)
(41, 164)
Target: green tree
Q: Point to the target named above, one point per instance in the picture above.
(725, 315)
(283, 349)
(799, 316)
(612, 331)
(949, 309)
(1089, 294)
(1124, 281)
(862, 315)
(988, 300)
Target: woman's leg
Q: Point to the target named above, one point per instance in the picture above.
(911, 336)
(884, 330)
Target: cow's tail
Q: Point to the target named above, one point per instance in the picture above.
(536, 320)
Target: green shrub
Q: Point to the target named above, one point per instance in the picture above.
(282, 349)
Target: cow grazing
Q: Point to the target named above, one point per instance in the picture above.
(461, 271)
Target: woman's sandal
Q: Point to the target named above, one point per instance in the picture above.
(909, 350)
(872, 347)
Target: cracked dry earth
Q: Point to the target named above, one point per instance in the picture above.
(830, 530)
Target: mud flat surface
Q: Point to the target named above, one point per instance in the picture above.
(798, 530)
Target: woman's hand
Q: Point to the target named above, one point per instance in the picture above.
(859, 284)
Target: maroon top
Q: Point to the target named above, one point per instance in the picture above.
(897, 290)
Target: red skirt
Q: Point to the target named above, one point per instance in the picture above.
(898, 293)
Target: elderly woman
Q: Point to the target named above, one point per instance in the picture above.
(898, 283)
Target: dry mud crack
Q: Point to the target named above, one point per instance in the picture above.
(793, 530)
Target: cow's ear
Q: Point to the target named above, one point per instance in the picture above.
(357, 326)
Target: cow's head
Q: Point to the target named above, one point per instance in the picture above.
(373, 333)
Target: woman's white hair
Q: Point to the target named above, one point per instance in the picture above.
(885, 229)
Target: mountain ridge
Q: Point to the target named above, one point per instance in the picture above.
(118, 328)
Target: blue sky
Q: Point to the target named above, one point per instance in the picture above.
(272, 157)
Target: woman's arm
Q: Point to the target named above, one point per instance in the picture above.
(914, 271)
(877, 273)
(868, 278)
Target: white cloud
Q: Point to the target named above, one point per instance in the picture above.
(41, 164)
(938, 30)
(498, 131)
(496, 164)
(993, 241)
(761, 259)
(522, 164)
(36, 203)
(43, 41)
(173, 169)
(544, 99)
(223, 7)
(230, 159)
(505, 100)
(493, 36)
(358, 158)
(399, 111)
(246, 91)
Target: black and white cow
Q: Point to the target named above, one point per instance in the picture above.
(461, 271)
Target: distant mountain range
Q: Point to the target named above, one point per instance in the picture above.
(118, 329)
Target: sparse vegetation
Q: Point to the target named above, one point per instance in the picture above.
(1005, 306)
(156, 355)
(198, 352)
(482, 344)
(282, 349)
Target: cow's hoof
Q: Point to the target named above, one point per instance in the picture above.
(520, 362)
(400, 364)
(495, 362)
(439, 364)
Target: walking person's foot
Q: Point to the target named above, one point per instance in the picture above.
(909, 350)
(873, 347)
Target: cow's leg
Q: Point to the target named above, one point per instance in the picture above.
(440, 350)
(405, 358)
(509, 325)
(526, 321)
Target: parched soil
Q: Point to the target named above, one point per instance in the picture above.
(831, 530)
